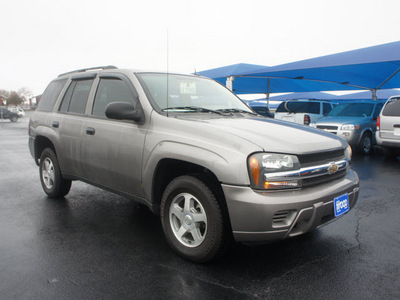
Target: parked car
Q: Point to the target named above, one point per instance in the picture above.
(261, 108)
(355, 122)
(5, 113)
(194, 153)
(18, 110)
(388, 127)
(303, 111)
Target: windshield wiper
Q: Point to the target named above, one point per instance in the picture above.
(235, 110)
(192, 108)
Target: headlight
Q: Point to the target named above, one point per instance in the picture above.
(349, 127)
(348, 152)
(262, 164)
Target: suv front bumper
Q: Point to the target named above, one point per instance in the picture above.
(258, 216)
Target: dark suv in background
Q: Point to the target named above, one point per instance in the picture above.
(5, 113)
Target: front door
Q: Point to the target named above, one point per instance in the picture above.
(112, 149)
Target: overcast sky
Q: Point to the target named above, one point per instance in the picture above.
(43, 38)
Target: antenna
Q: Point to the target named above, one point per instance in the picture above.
(167, 70)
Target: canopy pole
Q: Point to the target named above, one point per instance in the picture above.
(268, 91)
(374, 95)
(229, 82)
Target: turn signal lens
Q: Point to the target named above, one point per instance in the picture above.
(255, 170)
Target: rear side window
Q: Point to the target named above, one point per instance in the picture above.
(50, 95)
(299, 107)
(110, 90)
(392, 108)
(76, 97)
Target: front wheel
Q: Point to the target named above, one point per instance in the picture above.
(193, 219)
(54, 185)
(365, 146)
(14, 119)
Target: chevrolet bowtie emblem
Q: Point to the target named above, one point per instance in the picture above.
(333, 168)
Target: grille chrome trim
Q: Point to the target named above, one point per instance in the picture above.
(310, 172)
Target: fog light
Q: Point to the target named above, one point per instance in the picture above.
(346, 133)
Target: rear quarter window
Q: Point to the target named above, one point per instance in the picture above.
(299, 107)
(392, 108)
(50, 95)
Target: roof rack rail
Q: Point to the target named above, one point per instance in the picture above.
(88, 69)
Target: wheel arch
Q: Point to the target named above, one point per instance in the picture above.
(168, 169)
(41, 143)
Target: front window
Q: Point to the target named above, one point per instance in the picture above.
(352, 110)
(171, 92)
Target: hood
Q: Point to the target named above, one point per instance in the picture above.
(343, 120)
(274, 135)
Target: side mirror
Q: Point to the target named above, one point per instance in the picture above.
(124, 111)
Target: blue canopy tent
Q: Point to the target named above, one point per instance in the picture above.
(228, 75)
(381, 95)
(371, 68)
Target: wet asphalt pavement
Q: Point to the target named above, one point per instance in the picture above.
(96, 245)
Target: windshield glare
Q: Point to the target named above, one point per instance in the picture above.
(352, 110)
(189, 91)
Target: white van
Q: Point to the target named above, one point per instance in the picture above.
(388, 127)
(303, 111)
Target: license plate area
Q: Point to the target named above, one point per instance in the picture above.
(341, 205)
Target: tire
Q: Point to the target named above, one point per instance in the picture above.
(195, 223)
(54, 185)
(365, 146)
(14, 119)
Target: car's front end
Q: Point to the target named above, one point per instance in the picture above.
(291, 194)
(348, 128)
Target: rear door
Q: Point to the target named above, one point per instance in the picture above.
(390, 119)
(112, 149)
(69, 123)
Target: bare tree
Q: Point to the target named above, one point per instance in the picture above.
(25, 93)
(15, 99)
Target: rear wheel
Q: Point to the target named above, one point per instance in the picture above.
(193, 219)
(365, 146)
(14, 119)
(54, 185)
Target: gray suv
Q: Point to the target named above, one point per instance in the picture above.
(355, 122)
(194, 153)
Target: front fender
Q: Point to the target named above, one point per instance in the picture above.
(228, 167)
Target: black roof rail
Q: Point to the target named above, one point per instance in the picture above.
(88, 69)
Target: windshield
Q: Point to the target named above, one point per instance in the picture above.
(188, 93)
(352, 110)
(299, 107)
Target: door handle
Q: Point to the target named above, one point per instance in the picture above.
(90, 131)
(396, 125)
(55, 124)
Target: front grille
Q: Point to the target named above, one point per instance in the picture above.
(324, 178)
(327, 127)
(320, 158)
